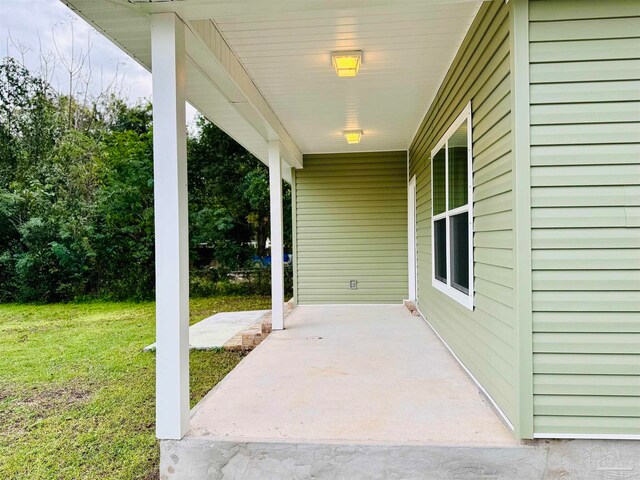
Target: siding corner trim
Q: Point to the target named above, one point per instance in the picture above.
(521, 178)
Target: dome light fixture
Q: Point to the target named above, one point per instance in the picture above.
(347, 63)
(352, 136)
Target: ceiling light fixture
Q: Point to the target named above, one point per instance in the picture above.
(352, 136)
(347, 63)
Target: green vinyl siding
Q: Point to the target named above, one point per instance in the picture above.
(351, 224)
(585, 215)
(484, 338)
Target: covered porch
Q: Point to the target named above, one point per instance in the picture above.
(268, 76)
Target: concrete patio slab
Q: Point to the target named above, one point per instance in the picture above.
(367, 392)
(215, 331)
(350, 374)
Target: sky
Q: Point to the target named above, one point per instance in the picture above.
(31, 29)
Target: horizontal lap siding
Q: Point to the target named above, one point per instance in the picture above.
(351, 224)
(585, 197)
(482, 339)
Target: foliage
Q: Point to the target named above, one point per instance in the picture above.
(124, 224)
(228, 199)
(76, 198)
(77, 391)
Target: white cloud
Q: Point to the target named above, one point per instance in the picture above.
(30, 29)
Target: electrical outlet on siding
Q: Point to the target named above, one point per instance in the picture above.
(353, 284)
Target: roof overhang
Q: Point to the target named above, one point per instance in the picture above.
(262, 71)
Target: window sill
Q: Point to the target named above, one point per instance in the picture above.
(456, 295)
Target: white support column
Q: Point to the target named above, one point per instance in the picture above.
(277, 250)
(411, 220)
(171, 224)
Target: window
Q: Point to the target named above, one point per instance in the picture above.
(452, 212)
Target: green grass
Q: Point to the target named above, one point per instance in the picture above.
(77, 392)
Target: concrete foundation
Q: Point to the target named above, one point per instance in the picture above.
(200, 459)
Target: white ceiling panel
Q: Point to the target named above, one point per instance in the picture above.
(407, 48)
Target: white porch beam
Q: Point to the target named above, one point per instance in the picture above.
(208, 49)
(171, 236)
(277, 249)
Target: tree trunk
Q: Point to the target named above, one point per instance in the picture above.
(262, 235)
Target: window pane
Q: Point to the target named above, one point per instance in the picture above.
(460, 252)
(439, 199)
(458, 151)
(440, 249)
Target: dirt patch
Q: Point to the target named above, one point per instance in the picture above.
(23, 334)
(155, 475)
(21, 410)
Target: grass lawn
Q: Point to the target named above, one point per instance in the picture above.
(77, 392)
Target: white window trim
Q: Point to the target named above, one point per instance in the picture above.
(446, 288)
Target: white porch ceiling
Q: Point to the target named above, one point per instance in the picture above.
(285, 47)
(407, 49)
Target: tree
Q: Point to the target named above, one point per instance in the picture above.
(76, 198)
(124, 232)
